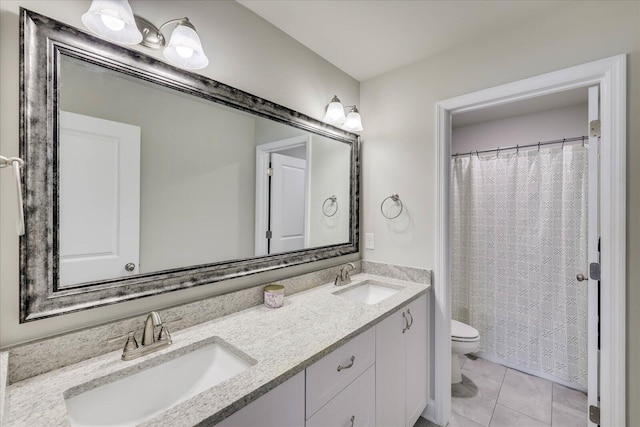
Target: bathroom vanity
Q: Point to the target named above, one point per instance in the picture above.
(319, 360)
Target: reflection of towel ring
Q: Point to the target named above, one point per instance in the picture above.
(395, 198)
(334, 200)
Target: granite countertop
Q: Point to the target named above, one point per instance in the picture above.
(282, 341)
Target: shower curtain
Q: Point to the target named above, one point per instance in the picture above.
(518, 239)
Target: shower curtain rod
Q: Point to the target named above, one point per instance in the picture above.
(517, 147)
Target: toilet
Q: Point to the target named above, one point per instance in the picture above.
(464, 339)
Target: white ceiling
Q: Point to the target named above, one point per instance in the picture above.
(366, 38)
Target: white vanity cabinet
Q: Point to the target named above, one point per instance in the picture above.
(282, 406)
(379, 378)
(401, 365)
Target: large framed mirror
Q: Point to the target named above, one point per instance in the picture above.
(142, 178)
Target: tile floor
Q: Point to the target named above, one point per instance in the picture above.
(492, 395)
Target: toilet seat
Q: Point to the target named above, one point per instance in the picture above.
(462, 332)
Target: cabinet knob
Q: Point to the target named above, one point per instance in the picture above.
(130, 266)
(580, 277)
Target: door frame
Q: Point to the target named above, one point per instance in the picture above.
(262, 186)
(610, 75)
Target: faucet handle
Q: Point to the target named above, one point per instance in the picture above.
(164, 335)
(131, 344)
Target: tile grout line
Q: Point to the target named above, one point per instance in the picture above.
(527, 415)
(499, 391)
(552, 396)
(552, 392)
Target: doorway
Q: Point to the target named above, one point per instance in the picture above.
(282, 195)
(519, 245)
(609, 76)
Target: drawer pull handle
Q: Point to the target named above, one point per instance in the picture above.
(340, 367)
(406, 323)
(353, 419)
(410, 324)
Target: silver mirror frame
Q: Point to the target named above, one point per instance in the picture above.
(42, 41)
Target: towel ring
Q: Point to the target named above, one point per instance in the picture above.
(16, 164)
(395, 198)
(334, 200)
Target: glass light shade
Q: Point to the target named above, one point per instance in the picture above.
(353, 122)
(185, 50)
(113, 20)
(335, 112)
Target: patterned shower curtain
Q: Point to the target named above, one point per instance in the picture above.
(518, 239)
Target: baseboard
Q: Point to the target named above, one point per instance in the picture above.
(429, 412)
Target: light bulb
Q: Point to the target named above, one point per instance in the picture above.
(185, 52)
(112, 23)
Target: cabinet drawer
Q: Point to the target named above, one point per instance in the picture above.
(357, 400)
(335, 371)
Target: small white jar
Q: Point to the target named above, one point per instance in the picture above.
(273, 296)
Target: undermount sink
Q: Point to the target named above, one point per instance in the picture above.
(369, 292)
(134, 398)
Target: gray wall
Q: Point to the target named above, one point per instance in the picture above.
(244, 51)
(548, 125)
(399, 140)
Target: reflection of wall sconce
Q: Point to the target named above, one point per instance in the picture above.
(335, 116)
(114, 20)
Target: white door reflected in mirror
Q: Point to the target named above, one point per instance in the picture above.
(99, 199)
(288, 201)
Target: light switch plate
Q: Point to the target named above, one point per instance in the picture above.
(369, 241)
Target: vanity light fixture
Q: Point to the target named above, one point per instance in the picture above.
(335, 116)
(115, 21)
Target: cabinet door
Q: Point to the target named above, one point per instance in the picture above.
(417, 364)
(352, 407)
(390, 371)
(281, 407)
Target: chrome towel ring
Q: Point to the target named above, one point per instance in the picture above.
(394, 198)
(334, 201)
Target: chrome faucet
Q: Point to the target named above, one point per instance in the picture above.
(343, 278)
(150, 342)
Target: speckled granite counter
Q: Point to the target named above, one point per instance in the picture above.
(283, 342)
